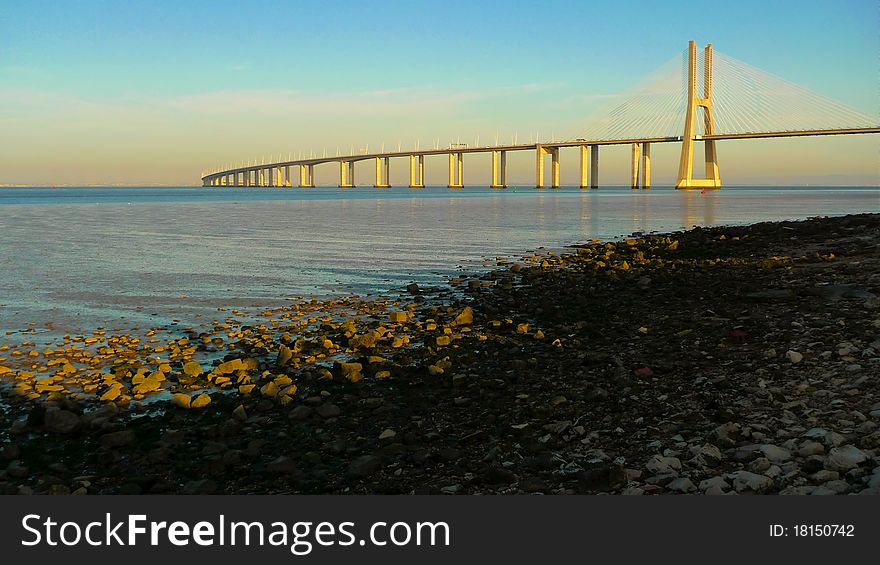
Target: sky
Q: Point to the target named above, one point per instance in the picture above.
(108, 92)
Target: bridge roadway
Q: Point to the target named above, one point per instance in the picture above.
(261, 174)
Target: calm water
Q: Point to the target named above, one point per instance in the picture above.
(83, 257)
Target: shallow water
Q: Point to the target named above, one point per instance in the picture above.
(86, 257)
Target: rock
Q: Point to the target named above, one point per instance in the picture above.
(499, 475)
(328, 411)
(714, 482)
(710, 455)
(118, 439)
(192, 369)
(397, 317)
(282, 466)
(10, 451)
(181, 400)
(413, 288)
(775, 453)
(829, 439)
(811, 448)
(465, 318)
(284, 355)
(202, 486)
(794, 356)
(240, 413)
(747, 481)
(16, 469)
(844, 458)
(387, 434)
(201, 401)
(61, 421)
(682, 484)
(728, 433)
(350, 371)
(364, 466)
(659, 464)
(301, 412)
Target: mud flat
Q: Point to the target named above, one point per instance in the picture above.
(734, 360)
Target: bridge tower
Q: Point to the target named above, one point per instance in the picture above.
(686, 164)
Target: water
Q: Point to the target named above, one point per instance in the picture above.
(77, 258)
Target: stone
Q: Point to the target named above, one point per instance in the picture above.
(397, 317)
(282, 466)
(387, 434)
(181, 400)
(364, 466)
(728, 433)
(710, 454)
(775, 453)
(350, 371)
(202, 486)
(714, 482)
(810, 447)
(829, 439)
(747, 481)
(284, 355)
(61, 421)
(192, 369)
(301, 412)
(465, 318)
(328, 411)
(682, 484)
(118, 439)
(794, 356)
(659, 464)
(844, 458)
(240, 413)
(201, 401)
(499, 475)
(16, 469)
(10, 451)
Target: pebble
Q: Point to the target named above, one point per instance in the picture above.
(328, 411)
(747, 481)
(61, 421)
(844, 458)
(364, 466)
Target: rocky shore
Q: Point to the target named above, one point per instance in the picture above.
(733, 360)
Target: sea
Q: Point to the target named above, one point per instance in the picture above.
(78, 258)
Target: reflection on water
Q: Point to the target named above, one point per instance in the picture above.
(82, 255)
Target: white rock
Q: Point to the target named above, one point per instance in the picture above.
(682, 484)
(844, 458)
(658, 464)
(794, 356)
(714, 482)
(746, 481)
(775, 453)
(387, 434)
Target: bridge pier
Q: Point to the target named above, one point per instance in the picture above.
(584, 165)
(346, 174)
(382, 164)
(417, 171)
(686, 162)
(279, 177)
(456, 175)
(306, 176)
(287, 175)
(634, 175)
(499, 169)
(540, 151)
(646, 165)
(594, 166)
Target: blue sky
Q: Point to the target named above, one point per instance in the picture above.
(182, 85)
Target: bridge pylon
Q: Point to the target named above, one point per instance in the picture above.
(686, 164)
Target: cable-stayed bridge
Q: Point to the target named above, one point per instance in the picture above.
(697, 97)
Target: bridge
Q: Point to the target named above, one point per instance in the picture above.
(677, 106)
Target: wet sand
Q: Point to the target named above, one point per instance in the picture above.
(722, 360)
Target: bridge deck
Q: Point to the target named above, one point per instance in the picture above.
(534, 146)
